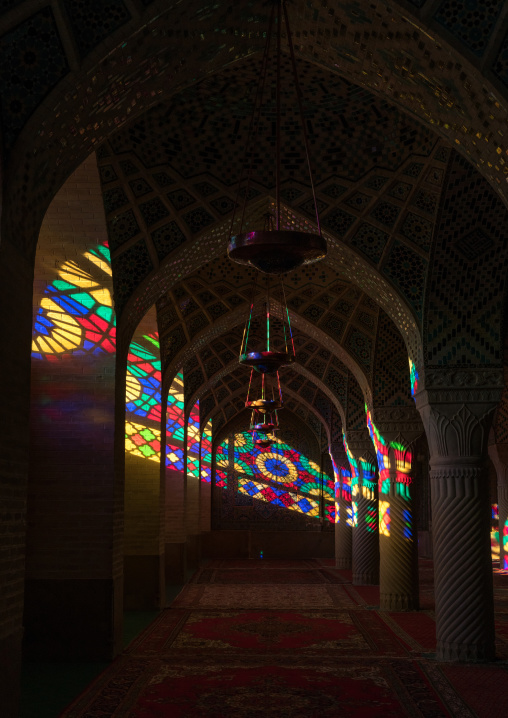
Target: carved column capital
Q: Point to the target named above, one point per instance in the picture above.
(402, 424)
(457, 431)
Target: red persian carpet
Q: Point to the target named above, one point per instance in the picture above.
(291, 640)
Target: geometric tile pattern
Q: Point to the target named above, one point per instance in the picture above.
(470, 21)
(407, 270)
(93, 20)
(33, 61)
(479, 256)
(439, 88)
(391, 386)
(355, 417)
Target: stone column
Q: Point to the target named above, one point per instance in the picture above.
(365, 508)
(393, 431)
(499, 455)
(457, 408)
(343, 511)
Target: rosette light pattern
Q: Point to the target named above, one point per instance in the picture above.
(283, 476)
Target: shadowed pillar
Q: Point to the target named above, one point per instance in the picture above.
(457, 416)
(365, 508)
(343, 510)
(398, 546)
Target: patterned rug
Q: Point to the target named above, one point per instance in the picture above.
(263, 596)
(265, 647)
(260, 575)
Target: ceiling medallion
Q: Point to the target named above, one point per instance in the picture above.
(276, 249)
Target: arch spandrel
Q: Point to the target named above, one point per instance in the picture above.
(423, 61)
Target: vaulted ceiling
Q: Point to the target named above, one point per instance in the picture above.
(384, 105)
(74, 72)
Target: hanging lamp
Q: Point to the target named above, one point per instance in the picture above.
(269, 395)
(264, 359)
(276, 250)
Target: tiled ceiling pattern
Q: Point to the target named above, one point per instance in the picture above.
(391, 384)
(172, 175)
(205, 129)
(96, 65)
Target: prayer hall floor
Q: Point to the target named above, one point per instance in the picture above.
(292, 639)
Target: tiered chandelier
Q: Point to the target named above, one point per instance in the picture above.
(274, 250)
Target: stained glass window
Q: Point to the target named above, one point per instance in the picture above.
(175, 425)
(76, 314)
(206, 453)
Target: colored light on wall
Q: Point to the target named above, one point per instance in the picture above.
(382, 452)
(206, 453)
(371, 519)
(75, 315)
(354, 514)
(337, 512)
(407, 520)
(279, 497)
(193, 439)
(384, 518)
(221, 464)
(143, 395)
(283, 474)
(494, 533)
(142, 441)
(413, 378)
(143, 380)
(505, 544)
(175, 425)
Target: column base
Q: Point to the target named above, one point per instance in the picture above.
(144, 588)
(175, 562)
(465, 652)
(344, 563)
(193, 551)
(365, 579)
(10, 674)
(73, 619)
(398, 602)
